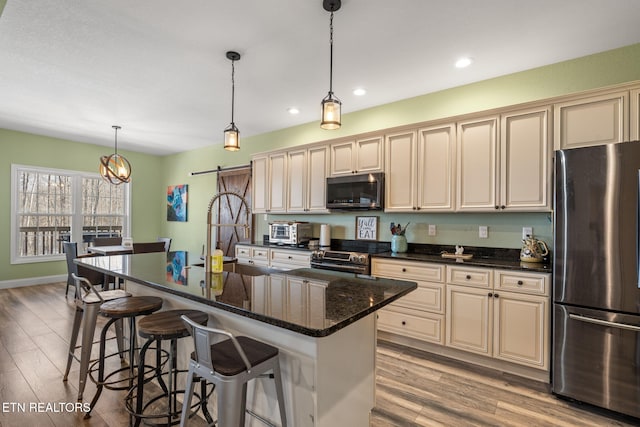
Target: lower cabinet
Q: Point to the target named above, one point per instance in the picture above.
(290, 298)
(499, 314)
(283, 259)
(420, 314)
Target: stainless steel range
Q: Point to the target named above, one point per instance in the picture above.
(351, 262)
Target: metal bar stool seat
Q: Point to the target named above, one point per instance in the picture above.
(120, 309)
(230, 364)
(87, 301)
(158, 327)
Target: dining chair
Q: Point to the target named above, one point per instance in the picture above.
(167, 242)
(143, 248)
(71, 252)
(107, 241)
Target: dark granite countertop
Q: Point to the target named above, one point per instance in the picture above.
(346, 297)
(508, 259)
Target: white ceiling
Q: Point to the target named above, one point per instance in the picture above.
(72, 68)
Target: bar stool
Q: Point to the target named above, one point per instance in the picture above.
(230, 365)
(87, 302)
(120, 309)
(158, 327)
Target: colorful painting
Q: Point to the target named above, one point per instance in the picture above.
(177, 203)
(176, 267)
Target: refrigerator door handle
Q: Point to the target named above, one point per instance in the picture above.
(604, 322)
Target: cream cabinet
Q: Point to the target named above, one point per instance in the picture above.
(420, 314)
(306, 176)
(269, 183)
(247, 254)
(291, 299)
(419, 170)
(505, 168)
(477, 166)
(357, 156)
(526, 174)
(282, 259)
(499, 313)
(288, 259)
(634, 114)
(592, 120)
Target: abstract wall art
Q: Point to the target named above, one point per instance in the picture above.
(177, 202)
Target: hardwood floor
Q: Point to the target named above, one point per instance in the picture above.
(413, 388)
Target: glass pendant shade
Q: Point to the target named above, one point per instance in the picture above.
(330, 104)
(330, 112)
(115, 168)
(231, 133)
(232, 138)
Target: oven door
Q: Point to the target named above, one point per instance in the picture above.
(280, 233)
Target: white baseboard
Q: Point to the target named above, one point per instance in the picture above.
(43, 280)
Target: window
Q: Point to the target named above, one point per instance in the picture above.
(53, 206)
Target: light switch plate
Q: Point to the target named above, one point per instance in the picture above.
(432, 230)
(483, 232)
(527, 231)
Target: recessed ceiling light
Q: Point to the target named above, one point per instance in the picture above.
(359, 91)
(463, 62)
(293, 110)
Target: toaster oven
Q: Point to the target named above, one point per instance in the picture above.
(290, 233)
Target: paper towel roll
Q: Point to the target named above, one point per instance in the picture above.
(325, 235)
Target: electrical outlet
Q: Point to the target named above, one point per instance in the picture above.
(266, 217)
(432, 230)
(527, 231)
(483, 232)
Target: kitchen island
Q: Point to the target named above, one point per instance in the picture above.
(324, 324)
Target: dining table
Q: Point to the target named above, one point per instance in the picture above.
(111, 250)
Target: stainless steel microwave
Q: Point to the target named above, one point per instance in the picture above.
(356, 192)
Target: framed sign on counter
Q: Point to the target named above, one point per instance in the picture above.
(366, 228)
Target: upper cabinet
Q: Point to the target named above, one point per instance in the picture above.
(500, 161)
(269, 186)
(477, 166)
(594, 120)
(505, 170)
(419, 170)
(634, 113)
(525, 160)
(306, 179)
(358, 156)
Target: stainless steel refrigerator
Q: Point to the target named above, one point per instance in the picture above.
(596, 316)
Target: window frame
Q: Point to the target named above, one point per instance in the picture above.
(76, 213)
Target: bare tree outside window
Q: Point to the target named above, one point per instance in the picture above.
(54, 206)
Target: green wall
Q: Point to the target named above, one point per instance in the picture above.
(35, 150)
(152, 174)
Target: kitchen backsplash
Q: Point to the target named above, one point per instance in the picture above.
(504, 228)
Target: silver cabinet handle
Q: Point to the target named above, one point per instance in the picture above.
(604, 322)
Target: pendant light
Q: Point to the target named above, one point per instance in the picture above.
(231, 133)
(330, 104)
(115, 168)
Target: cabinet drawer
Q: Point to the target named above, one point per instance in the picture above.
(243, 252)
(407, 270)
(293, 258)
(260, 256)
(470, 276)
(427, 296)
(529, 283)
(419, 325)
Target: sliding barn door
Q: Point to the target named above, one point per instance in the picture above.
(231, 210)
